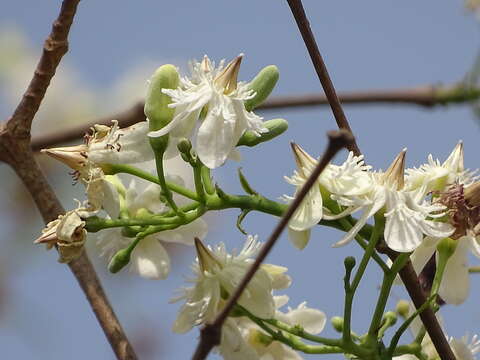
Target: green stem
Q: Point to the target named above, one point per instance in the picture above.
(197, 176)
(128, 169)
(298, 331)
(163, 184)
(398, 334)
(387, 284)
(207, 180)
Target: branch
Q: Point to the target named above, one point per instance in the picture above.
(426, 96)
(15, 149)
(303, 25)
(211, 333)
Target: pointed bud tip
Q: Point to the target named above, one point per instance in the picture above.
(394, 175)
(206, 259)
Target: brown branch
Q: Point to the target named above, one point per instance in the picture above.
(303, 25)
(211, 333)
(426, 96)
(15, 149)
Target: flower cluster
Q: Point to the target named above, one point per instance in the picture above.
(419, 206)
(217, 274)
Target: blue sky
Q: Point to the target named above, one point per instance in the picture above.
(366, 45)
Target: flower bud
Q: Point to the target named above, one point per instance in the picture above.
(391, 317)
(184, 146)
(262, 85)
(156, 102)
(337, 323)
(403, 308)
(349, 263)
(394, 176)
(120, 260)
(206, 260)
(275, 128)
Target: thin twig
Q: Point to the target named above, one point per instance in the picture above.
(319, 65)
(15, 149)
(210, 334)
(425, 95)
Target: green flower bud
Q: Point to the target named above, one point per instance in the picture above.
(120, 259)
(156, 102)
(275, 128)
(349, 263)
(391, 317)
(447, 247)
(403, 308)
(184, 146)
(337, 323)
(263, 85)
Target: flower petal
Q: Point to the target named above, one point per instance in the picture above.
(299, 239)
(455, 285)
(150, 260)
(215, 135)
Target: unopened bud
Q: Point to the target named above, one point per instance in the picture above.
(120, 260)
(262, 85)
(337, 323)
(184, 146)
(403, 308)
(275, 128)
(156, 102)
(391, 317)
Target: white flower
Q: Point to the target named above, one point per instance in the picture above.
(106, 145)
(350, 179)
(216, 90)
(436, 176)
(218, 273)
(67, 233)
(149, 258)
(311, 320)
(465, 348)
(406, 212)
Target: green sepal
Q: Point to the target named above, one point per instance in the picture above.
(275, 128)
(262, 85)
(156, 103)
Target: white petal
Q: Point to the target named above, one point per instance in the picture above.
(299, 238)
(423, 253)
(312, 320)
(124, 146)
(369, 211)
(257, 297)
(215, 136)
(233, 345)
(280, 280)
(150, 259)
(201, 305)
(310, 211)
(455, 285)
